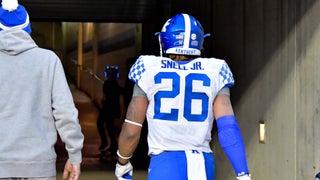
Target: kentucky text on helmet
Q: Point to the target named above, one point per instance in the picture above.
(183, 51)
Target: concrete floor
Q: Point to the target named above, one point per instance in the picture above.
(94, 165)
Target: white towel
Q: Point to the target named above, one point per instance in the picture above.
(196, 165)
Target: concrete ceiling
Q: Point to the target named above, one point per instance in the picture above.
(135, 11)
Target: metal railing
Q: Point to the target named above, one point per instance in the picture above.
(87, 70)
(89, 82)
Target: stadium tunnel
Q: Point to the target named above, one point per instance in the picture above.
(271, 47)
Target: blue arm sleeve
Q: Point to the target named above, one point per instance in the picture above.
(232, 143)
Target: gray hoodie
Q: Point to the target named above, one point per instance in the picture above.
(35, 103)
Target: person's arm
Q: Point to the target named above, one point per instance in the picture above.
(66, 119)
(229, 136)
(131, 129)
(130, 135)
(104, 91)
(71, 171)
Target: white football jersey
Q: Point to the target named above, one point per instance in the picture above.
(181, 96)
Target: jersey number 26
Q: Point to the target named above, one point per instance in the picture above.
(188, 97)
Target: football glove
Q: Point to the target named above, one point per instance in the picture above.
(123, 172)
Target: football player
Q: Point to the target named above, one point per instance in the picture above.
(181, 94)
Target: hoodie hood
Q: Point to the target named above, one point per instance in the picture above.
(14, 42)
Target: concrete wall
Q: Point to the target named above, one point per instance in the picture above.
(308, 89)
(272, 46)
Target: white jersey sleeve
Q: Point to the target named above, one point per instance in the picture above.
(180, 96)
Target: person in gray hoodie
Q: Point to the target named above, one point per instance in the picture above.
(35, 104)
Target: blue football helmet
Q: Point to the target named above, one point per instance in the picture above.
(182, 34)
(111, 72)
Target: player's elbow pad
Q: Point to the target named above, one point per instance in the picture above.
(232, 143)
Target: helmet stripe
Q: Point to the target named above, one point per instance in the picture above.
(187, 24)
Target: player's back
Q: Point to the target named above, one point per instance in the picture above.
(180, 96)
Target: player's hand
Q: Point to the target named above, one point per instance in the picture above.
(244, 177)
(71, 171)
(124, 171)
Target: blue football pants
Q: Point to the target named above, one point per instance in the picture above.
(172, 165)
